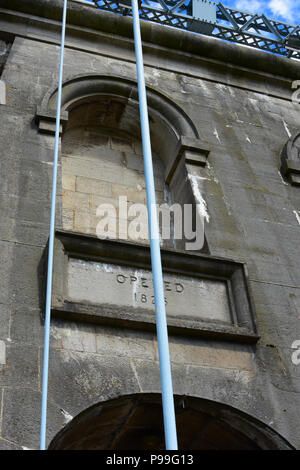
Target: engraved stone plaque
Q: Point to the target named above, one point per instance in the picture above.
(109, 282)
(185, 296)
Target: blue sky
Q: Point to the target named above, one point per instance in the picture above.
(283, 10)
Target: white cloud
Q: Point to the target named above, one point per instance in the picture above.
(284, 8)
(256, 6)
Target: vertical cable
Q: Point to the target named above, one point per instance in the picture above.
(161, 322)
(51, 242)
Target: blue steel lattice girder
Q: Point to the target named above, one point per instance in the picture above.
(231, 25)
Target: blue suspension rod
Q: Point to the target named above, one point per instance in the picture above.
(161, 322)
(51, 242)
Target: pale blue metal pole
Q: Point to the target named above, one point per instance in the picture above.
(161, 321)
(51, 242)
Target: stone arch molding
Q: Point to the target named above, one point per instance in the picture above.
(290, 159)
(183, 142)
(135, 422)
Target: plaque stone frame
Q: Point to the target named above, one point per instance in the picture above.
(88, 249)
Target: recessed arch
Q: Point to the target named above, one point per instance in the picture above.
(168, 122)
(135, 422)
(109, 104)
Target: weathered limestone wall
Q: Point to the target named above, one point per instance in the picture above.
(244, 117)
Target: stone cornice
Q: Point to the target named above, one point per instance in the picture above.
(86, 15)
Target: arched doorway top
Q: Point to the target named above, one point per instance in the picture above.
(135, 422)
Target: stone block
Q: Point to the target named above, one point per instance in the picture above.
(6, 254)
(78, 380)
(82, 222)
(27, 326)
(25, 290)
(21, 366)
(96, 201)
(5, 317)
(22, 416)
(74, 200)
(194, 352)
(68, 182)
(73, 336)
(7, 445)
(68, 219)
(93, 186)
(135, 194)
(125, 343)
(2, 352)
(148, 376)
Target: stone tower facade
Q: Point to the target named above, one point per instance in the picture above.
(225, 140)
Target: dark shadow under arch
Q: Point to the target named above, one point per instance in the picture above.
(135, 422)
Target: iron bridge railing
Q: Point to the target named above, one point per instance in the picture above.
(216, 20)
